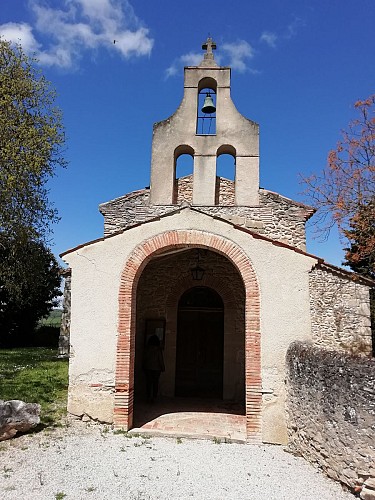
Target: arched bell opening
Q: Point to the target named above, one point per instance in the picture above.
(200, 320)
(206, 107)
(225, 175)
(183, 168)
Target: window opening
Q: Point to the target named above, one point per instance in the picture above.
(226, 166)
(184, 165)
(184, 168)
(225, 175)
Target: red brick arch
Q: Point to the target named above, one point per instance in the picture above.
(142, 254)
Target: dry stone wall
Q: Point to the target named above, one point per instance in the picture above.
(184, 190)
(224, 193)
(276, 217)
(331, 411)
(340, 311)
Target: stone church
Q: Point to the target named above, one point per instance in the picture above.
(216, 268)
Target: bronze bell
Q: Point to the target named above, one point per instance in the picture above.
(208, 105)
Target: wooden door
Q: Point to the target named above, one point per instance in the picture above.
(200, 342)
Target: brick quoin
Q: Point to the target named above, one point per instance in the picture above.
(142, 254)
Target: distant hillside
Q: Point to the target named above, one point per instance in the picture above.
(54, 319)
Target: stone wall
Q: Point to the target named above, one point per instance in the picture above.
(224, 191)
(184, 190)
(331, 411)
(276, 217)
(64, 338)
(340, 311)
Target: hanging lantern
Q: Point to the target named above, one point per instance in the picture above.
(197, 272)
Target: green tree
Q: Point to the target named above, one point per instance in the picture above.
(31, 142)
(35, 293)
(360, 256)
(31, 148)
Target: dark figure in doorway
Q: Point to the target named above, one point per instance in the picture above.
(153, 365)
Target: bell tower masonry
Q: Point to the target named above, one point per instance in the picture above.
(184, 132)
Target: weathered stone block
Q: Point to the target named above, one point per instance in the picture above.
(254, 224)
(370, 483)
(367, 494)
(17, 416)
(96, 403)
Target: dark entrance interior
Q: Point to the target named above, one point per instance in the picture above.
(200, 344)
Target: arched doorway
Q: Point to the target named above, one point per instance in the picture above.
(200, 344)
(143, 255)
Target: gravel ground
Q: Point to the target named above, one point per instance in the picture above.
(90, 461)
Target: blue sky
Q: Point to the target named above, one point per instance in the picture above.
(297, 68)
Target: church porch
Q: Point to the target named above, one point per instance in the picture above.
(194, 301)
(191, 418)
(239, 374)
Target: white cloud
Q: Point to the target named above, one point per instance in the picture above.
(235, 55)
(134, 43)
(290, 31)
(79, 26)
(239, 53)
(269, 38)
(293, 27)
(100, 9)
(190, 59)
(20, 32)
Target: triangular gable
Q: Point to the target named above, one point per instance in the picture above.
(186, 206)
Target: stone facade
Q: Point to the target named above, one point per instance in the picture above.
(95, 388)
(104, 329)
(252, 244)
(331, 411)
(276, 217)
(340, 310)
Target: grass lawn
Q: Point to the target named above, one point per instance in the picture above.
(35, 375)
